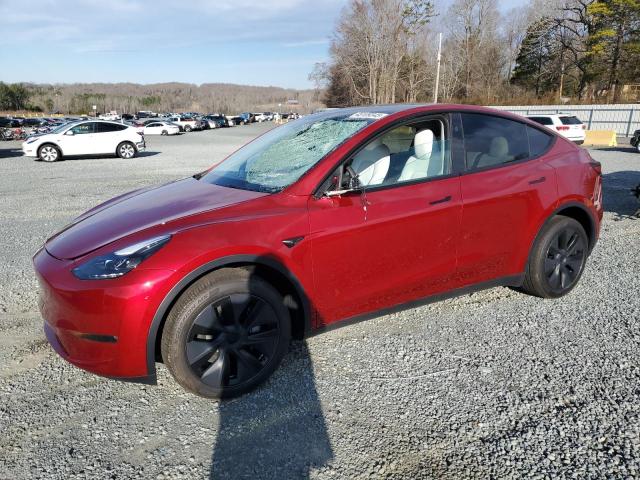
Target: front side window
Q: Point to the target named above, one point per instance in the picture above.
(280, 157)
(83, 128)
(492, 141)
(416, 151)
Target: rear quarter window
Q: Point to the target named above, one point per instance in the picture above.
(539, 141)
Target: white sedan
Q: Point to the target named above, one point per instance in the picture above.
(83, 138)
(161, 128)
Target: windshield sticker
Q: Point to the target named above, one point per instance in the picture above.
(367, 116)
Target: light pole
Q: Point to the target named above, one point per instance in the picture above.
(435, 93)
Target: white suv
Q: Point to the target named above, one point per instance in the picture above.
(85, 138)
(566, 125)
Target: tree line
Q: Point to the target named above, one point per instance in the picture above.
(163, 97)
(385, 51)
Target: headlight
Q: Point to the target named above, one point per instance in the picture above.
(119, 263)
(31, 139)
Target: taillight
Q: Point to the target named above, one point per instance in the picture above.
(597, 166)
(562, 129)
(584, 127)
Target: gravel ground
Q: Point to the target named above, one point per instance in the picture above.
(491, 385)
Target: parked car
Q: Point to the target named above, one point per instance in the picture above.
(112, 116)
(161, 128)
(127, 116)
(34, 122)
(246, 118)
(233, 120)
(6, 122)
(568, 126)
(635, 140)
(219, 120)
(214, 274)
(261, 117)
(85, 138)
(187, 124)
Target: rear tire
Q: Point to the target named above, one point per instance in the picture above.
(226, 334)
(126, 150)
(557, 259)
(49, 153)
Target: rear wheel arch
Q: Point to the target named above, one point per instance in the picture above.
(269, 269)
(574, 210)
(580, 214)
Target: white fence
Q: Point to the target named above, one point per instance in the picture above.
(624, 119)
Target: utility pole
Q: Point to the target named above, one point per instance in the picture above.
(435, 93)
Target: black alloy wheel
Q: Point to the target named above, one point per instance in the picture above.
(232, 340)
(557, 259)
(565, 259)
(226, 334)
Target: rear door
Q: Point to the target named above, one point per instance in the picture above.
(507, 190)
(108, 136)
(395, 241)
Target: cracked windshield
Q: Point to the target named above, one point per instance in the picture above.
(280, 157)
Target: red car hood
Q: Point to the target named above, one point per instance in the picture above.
(139, 210)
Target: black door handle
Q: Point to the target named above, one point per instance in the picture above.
(442, 200)
(538, 180)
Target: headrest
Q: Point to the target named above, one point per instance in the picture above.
(499, 147)
(423, 144)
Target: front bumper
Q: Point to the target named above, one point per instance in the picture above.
(29, 150)
(100, 325)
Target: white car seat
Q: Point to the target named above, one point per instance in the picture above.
(417, 165)
(498, 153)
(372, 163)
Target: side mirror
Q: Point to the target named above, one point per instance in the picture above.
(70, 133)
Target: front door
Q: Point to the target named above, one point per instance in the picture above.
(81, 142)
(395, 240)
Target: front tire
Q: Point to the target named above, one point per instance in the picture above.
(557, 260)
(164, 133)
(49, 153)
(187, 129)
(226, 334)
(126, 150)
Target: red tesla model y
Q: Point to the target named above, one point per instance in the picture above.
(338, 216)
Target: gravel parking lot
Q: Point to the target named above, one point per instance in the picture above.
(491, 385)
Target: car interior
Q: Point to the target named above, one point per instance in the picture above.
(403, 154)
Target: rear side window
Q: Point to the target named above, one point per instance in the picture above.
(491, 141)
(539, 142)
(570, 121)
(542, 120)
(109, 127)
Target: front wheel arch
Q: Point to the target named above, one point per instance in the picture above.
(272, 270)
(51, 144)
